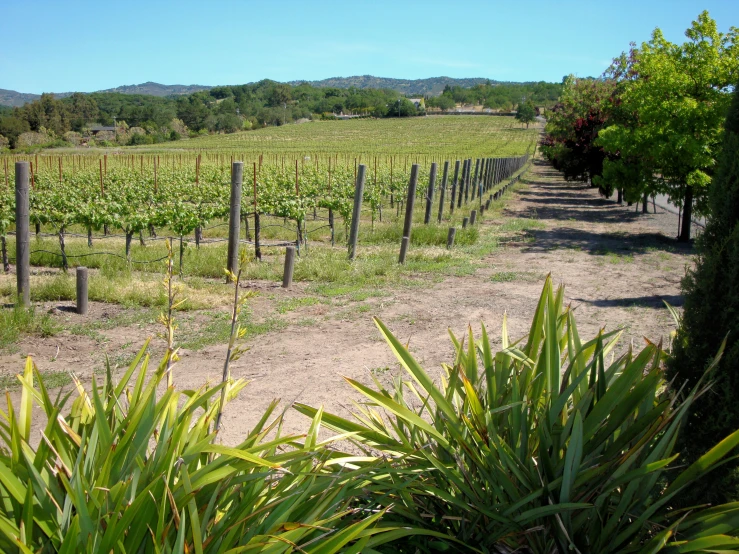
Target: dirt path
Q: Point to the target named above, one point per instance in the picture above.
(617, 267)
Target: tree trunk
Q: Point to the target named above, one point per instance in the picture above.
(645, 204)
(620, 198)
(89, 237)
(687, 216)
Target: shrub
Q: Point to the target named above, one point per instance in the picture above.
(121, 468)
(541, 447)
(711, 314)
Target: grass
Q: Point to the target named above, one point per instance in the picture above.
(215, 328)
(52, 380)
(510, 276)
(17, 321)
(292, 304)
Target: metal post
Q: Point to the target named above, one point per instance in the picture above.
(287, 276)
(358, 195)
(82, 290)
(430, 194)
(22, 238)
(234, 218)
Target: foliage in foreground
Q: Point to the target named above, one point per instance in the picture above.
(712, 313)
(548, 446)
(133, 466)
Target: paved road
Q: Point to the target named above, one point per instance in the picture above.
(663, 202)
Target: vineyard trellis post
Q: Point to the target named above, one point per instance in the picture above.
(234, 219)
(356, 212)
(257, 246)
(474, 179)
(287, 275)
(22, 237)
(405, 241)
(462, 182)
(454, 187)
(450, 237)
(430, 194)
(81, 282)
(443, 189)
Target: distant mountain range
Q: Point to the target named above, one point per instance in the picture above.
(432, 85)
(13, 98)
(413, 87)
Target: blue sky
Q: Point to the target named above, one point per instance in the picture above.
(73, 45)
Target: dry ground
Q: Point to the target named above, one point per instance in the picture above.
(617, 267)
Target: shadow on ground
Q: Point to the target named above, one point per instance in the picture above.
(654, 301)
(602, 244)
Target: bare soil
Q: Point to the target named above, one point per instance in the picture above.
(617, 266)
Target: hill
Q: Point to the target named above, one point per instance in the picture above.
(156, 89)
(13, 98)
(431, 85)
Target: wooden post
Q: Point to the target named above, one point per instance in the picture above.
(287, 276)
(454, 187)
(234, 218)
(473, 217)
(443, 190)
(410, 199)
(22, 238)
(467, 180)
(358, 195)
(257, 247)
(82, 290)
(475, 178)
(460, 186)
(430, 194)
(404, 242)
(450, 237)
(465, 221)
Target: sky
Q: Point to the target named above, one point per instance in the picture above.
(55, 46)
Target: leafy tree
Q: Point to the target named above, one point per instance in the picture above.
(402, 107)
(712, 313)
(584, 109)
(12, 127)
(677, 96)
(526, 113)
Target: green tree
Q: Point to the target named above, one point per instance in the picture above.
(677, 97)
(574, 125)
(526, 113)
(712, 313)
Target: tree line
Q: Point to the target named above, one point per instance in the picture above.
(229, 109)
(653, 122)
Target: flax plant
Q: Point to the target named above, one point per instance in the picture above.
(549, 445)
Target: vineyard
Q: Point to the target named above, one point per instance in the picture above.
(113, 210)
(422, 139)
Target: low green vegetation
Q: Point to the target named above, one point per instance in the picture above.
(542, 446)
(16, 321)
